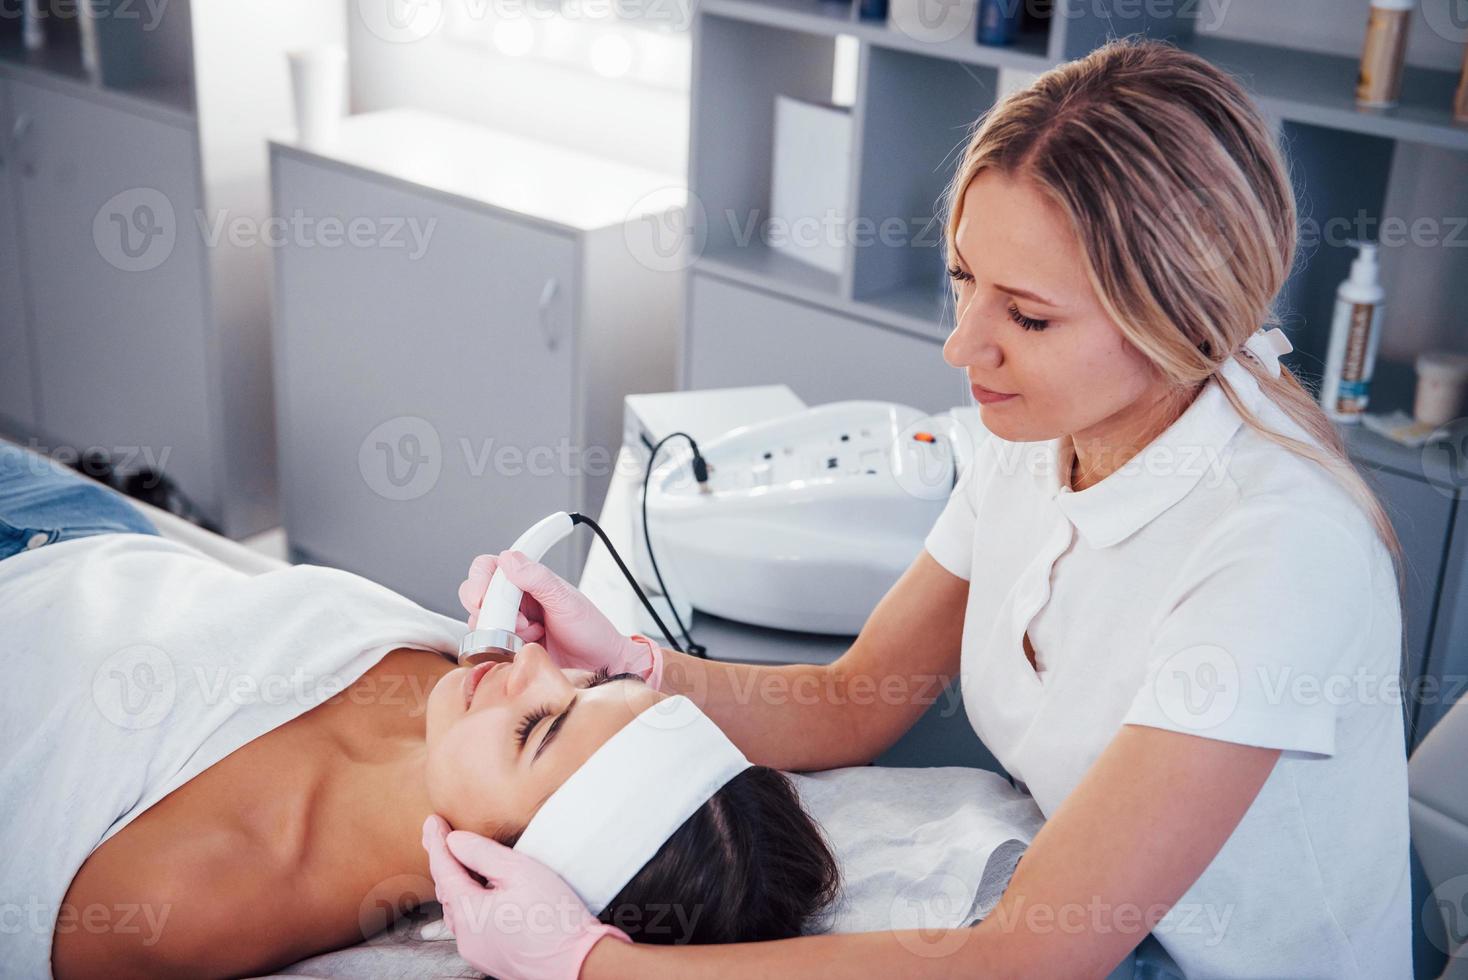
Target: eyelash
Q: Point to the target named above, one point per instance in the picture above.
(1027, 322)
(528, 723)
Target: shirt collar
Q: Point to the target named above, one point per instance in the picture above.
(1193, 449)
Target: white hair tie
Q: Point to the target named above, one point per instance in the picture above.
(614, 813)
(1267, 347)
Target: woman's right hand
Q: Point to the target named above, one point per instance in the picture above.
(556, 615)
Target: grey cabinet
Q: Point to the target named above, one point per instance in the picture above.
(115, 282)
(1422, 516)
(437, 399)
(1446, 672)
(411, 388)
(17, 397)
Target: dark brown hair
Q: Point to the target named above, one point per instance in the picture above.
(749, 865)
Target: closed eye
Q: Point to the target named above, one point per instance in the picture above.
(1028, 322)
(529, 723)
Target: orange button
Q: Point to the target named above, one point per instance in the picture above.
(924, 437)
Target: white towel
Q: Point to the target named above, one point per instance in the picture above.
(132, 663)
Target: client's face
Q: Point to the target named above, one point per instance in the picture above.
(503, 737)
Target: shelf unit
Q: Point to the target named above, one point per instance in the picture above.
(140, 56)
(172, 357)
(916, 99)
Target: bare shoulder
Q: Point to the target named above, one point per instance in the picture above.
(194, 905)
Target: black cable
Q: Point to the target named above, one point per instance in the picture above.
(701, 474)
(583, 519)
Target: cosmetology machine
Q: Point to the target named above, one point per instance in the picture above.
(804, 522)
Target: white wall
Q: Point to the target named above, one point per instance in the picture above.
(623, 120)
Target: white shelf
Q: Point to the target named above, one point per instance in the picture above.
(510, 173)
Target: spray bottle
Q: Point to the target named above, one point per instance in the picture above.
(1355, 333)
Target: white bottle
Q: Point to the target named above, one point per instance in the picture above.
(1355, 333)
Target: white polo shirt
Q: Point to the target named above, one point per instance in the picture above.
(1221, 586)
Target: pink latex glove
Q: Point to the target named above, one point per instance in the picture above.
(555, 614)
(528, 925)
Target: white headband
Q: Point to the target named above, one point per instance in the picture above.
(613, 814)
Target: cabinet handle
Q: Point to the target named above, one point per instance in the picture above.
(547, 324)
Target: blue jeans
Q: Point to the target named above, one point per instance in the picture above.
(42, 502)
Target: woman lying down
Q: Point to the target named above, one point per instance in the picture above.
(214, 774)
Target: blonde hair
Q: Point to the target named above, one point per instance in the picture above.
(1183, 207)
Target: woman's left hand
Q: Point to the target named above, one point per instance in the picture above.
(527, 925)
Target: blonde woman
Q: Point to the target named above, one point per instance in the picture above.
(1169, 598)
